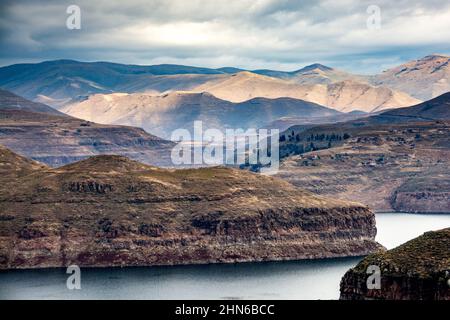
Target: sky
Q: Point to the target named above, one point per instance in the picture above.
(358, 36)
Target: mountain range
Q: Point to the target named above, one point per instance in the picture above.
(110, 211)
(100, 129)
(60, 82)
(313, 74)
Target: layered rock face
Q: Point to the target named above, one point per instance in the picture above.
(424, 193)
(416, 270)
(60, 140)
(111, 211)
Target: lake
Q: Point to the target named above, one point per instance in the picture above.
(318, 279)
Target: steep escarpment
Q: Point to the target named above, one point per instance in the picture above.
(416, 270)
(111, 211)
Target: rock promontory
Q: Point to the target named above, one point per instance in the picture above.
(112, 211)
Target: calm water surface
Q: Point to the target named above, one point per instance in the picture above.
(278, 280)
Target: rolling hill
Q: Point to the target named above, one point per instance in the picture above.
(11, 101)
(162, 114)
(61, 81)
(395, 161)
(434, 109)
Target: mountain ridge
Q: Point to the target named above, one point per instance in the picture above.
(391, 160)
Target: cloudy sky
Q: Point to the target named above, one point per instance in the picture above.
(251, 34)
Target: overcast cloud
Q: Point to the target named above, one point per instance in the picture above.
(251, 34)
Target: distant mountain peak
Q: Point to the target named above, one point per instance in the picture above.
(249, 74)
(314, 67)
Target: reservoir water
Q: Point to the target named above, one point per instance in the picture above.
(317, 279)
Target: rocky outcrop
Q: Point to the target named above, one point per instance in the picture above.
(426, 192)
(424, 78)
(111, 211)
(416, 270)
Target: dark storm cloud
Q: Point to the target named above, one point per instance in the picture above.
(245, 33)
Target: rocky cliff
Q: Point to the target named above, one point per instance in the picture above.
(416, 270)
(427, 192)
(111, 211)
